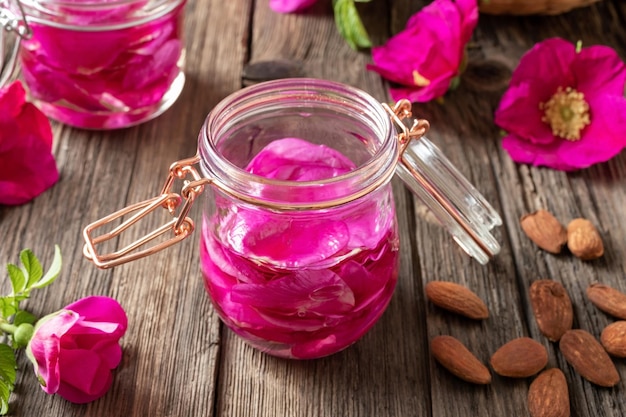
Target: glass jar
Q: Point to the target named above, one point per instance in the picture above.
(299, 244)
(292, 274)
(101, 64)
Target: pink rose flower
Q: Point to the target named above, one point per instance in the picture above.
(290, 6)
(427, 56)
(75, 349)
(565, 109)
(27, 165)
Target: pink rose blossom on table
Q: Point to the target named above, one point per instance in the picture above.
(426, 58)
(290, 6)
(565, 108)
(75, 349)
(27, 166)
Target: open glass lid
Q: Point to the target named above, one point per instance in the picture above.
(455, 203)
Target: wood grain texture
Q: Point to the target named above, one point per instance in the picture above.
(180, 361)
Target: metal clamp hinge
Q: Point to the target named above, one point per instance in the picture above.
(401, 111)
(14, 23)
(178, 205)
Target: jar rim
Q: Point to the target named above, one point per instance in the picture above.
(378, 169)
(93, 15)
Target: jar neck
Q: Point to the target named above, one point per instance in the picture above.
(301, 107)
(93, 15)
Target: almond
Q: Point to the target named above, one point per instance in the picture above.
(456, 298)
(544, 230)
(548, 395)
(552, 308)
(613, 339)
(585, 354)
(583, 240)
(607, 299)
(456, 358)
(520, 358)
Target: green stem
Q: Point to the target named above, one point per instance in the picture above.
(7, 327)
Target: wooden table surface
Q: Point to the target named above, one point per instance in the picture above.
(179, 360)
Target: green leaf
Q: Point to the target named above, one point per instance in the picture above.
(5, 394)
(8, 373)
(53, 271)
(7, 306)
(32, 267)
(18, 280)
(454, 83)
(350, 25)
(23, 316)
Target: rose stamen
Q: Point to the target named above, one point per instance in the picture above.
(567, 113)
(419, 80)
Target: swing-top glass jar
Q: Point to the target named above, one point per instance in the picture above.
(100, 64)
(299, 242)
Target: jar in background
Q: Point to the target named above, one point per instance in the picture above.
(102, 64)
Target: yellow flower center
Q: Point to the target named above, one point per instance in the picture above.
(419, 80)
(567, 113)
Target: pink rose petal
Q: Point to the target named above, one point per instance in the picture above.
(597, 73)
(85, 372)
(426, 56)
(300, 284)
(28, 167)
(75, 349)
(290, 6)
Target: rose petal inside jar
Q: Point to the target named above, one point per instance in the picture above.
(294, 159)
(303, 284)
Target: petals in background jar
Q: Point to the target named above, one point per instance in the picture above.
(76, 52)
(147, 40)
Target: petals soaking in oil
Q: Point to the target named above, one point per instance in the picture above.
(103, 65)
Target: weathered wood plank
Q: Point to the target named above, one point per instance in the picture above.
(471, 141)
(171, 349)
(384, 373)
(179, 361)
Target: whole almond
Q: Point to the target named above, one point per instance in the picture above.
(544, 230)
(588, 358)
(548, 395)
(552, 308)
(456, 358)
(519, 358)
(608, 299)
(613, 339)
(456, 298)
(583, 240)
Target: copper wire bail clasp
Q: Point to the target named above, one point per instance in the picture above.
(11, 22)
(401, 111)
(14, 23)
(178, 206)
